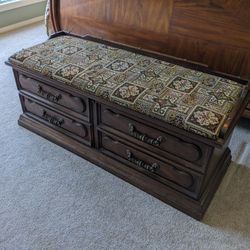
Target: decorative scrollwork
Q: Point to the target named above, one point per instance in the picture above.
(141, 164)
(143, 137)
(53, 120)
(49, 96)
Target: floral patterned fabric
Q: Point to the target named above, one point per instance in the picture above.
(189, 99)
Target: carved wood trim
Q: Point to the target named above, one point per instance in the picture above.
(55, 15)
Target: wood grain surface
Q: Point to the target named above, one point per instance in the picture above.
(214, 33)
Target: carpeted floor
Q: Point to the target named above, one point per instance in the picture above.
(52, 199)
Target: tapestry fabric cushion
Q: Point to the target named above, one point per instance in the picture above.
(188, 99)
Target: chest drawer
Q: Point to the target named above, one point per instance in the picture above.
(79, 130)
(177, 148)
(54, 95)
(165, 172)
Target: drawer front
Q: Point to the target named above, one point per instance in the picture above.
(54, 95)
(56, 120)
(158, 140)
(165, 172)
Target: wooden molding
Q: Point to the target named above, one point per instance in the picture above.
(21, 24)
(17, 4)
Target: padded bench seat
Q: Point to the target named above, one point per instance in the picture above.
(194, 101)
(162, 127)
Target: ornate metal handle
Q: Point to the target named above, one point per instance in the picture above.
(143, 137)
(141, 164)
(48, 95)
(53, 120)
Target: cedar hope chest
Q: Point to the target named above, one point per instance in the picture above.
(159, 122)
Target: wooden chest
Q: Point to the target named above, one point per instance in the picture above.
(180, 168)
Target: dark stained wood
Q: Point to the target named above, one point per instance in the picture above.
(160, 124)
(77, 129)
(167, 172)
(246, 113)
(194, 207)
(210, 32)
(183, 171)
(178, 148)
(59, 97)
(174, 183)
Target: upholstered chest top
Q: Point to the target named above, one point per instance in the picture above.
(188, 99)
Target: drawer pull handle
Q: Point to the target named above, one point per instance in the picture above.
(48, 95)
(141, 164)
(53, 120)
(143, 137)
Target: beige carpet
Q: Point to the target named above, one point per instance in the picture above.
(52, 199)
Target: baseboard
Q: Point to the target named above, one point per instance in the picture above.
(21, 24)
(18, 4)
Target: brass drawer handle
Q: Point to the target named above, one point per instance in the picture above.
(49, 96)
(141, 164)
(143, 137)
(53, 120)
